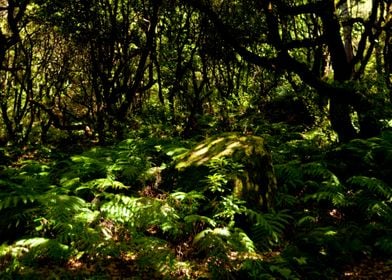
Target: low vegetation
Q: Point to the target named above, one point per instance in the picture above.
(195, 139)
(124, 210)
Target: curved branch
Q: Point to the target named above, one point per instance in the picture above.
(282, 62)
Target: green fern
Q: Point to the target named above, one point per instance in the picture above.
(154, 255)
(121, 209)
(192, 219)
(373, 185)
(241, 242)
(228, 208)
(121, 164)
(373, 196)
(213, 242)
(102, 184)
(384, 244)
(316, 170)
(269, 270)
(142, 213)
(370, 157)
(268, 228)
(42, 249)
(307, 220)
(333, 194)
(323, 185)
(289, 174)
(186, 202)
(221, 171)
(218, 246)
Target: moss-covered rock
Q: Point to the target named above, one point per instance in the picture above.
(256, 183)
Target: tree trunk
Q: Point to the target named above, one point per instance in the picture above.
(339, 110)
(340, 118)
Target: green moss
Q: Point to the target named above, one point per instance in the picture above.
(256, 183)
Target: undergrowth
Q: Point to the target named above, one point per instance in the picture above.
(108, 204)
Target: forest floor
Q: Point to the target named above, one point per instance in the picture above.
(127, 268)
(369, 269)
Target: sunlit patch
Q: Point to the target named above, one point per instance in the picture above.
(199, 152)
(75, 264)
(335, 213)
(228, 150)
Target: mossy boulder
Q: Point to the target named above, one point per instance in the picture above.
(255, 184)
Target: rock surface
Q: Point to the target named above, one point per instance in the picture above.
(256, 184)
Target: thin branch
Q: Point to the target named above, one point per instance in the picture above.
(304, 43)
(282, 62)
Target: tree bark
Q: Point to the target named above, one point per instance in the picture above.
(343, 99)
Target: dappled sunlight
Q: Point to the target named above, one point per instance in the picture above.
(254, 182)
(117, 230)
(195, 139)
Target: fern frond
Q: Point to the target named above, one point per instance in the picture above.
(289, 173)
(316, 170)
(379, 209)
(69, 184)
(240, 241)
(212, 241)
(9, 185)
(335, 196)
(306, 220)
(221, 239)
(62, 210)
(186, 202)
(42, 248)
(374, 185)
(385, 244)
(191, 219)
(189, 197)
(17, 199)
(121, 208)
(284, 200)
(327, 188)
(102, 184)
(142, 213)
(268, 228)
(229, 207)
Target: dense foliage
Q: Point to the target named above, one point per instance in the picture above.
(101, 101)
(111, 205)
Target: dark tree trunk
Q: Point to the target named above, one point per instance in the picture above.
(339, 114)
(343, 100)
(369, 125)
(339, 110)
